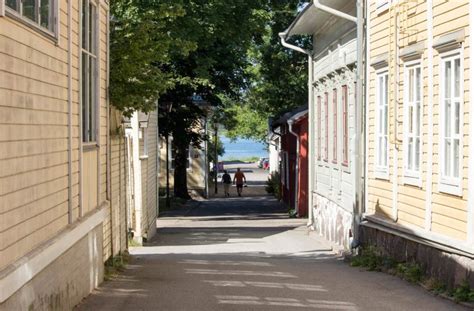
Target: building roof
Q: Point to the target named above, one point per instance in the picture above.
(311, 19)
(295, 114)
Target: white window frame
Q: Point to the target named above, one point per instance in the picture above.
(171, 157)
(381, 172)
(18, 15)
(384, 5)
(88, 52)
(451, 184)
(143, 136)
(412, 176)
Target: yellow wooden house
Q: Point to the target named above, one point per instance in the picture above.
(420, 133)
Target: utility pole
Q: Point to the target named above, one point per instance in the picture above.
(215, 158)
(167, 171)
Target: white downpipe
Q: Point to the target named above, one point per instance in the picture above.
(291, 46)
(429, 165)
(470, 222)
(69, 99)
(359, 21)
(312, 168)
(137, 178)
(290, 129)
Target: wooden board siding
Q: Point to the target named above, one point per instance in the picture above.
(34, 132)
(448, 17)
(149, 177)
(448, 212)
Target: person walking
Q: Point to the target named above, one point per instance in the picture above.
(239, 180)
(226, 180)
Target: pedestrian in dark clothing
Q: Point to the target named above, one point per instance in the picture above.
(226, 180)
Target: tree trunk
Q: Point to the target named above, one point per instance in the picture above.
(180, 170)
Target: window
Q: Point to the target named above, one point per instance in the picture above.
(451, 120)
(326, 128)
(345, 127)
(334, 126)
(383, 5)
(38, 12)
(89, 88)
(320, 125)
(412, 120)
(143, 136)
(381, 151)
(173, 156)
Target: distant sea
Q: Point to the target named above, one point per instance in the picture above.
(243, 148)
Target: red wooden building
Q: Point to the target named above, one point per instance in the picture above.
(292, 128)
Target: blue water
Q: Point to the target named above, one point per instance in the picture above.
(243, 148)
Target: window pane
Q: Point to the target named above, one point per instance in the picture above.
(447, 157)
(85, 24)
(418, 119)
(417, 154)
(380, 150)
(13, 4)
(410, 85)
(45, 10)
(410, 153)
(457, 77)
(92, 99)
(456, 118)
(410, 119)
(385, 120)
(385, 91)
(456, 158)
(30, 9)
(85, 97)
(447, 119)
(418, 84)
(385, 151)
(92, 30)
(447, 79)
(380, 87)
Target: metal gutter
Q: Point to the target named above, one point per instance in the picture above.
(359, 21)
(335, 12)
(69, 118)
(283, 37)
(290, 129)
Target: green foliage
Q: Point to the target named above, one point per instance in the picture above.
(369, 258)
(142, 41)
(249, 123)
(277, 76)
(435, 286)
(463, 292)
(273, 185)
(211, 151)
(115, 265)
(410, 271)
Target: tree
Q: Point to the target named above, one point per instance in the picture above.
(223, 31)
(278, 76)
(142, 42)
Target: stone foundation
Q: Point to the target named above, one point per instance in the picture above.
(66, 281)
(331, 221)
(447, 267)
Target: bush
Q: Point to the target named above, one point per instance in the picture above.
(273, 185)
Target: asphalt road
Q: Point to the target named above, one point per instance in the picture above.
(245, 254)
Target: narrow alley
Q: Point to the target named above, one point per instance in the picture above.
(246, 254)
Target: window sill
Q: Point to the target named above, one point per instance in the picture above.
(89, 146)
(412, 180)
(32, 25)
(144, 157)
(450, 188)
(382, 174)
